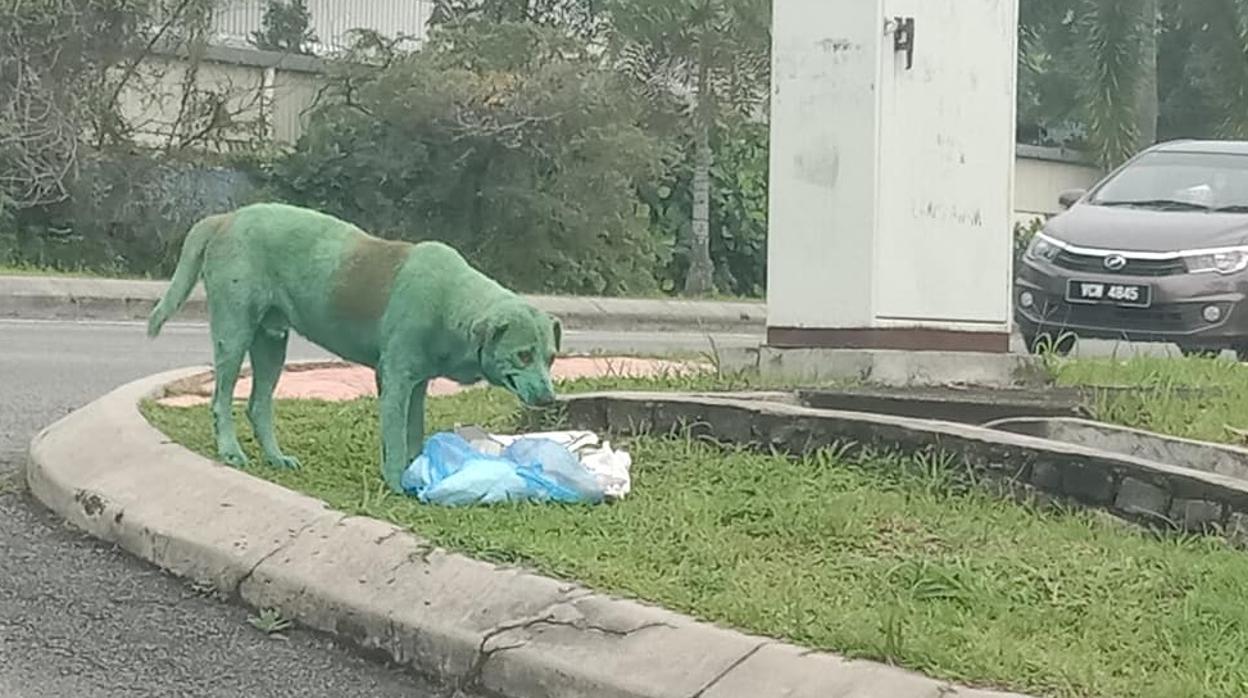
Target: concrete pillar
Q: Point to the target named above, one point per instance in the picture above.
(892, 170)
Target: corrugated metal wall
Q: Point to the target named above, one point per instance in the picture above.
(331, 19)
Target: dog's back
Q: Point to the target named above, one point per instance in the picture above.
(278, 266)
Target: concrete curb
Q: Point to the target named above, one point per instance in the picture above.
(69, 298)
(469, 624)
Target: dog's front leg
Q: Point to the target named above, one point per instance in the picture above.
(416, 421)
(396, 398)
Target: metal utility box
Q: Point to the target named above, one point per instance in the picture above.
(892, 169)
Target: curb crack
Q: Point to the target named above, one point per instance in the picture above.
(732, 667)
(614, 632)
(238, 586)
(472, 677)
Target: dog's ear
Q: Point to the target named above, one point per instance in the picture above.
(487, 331)
(557, 327)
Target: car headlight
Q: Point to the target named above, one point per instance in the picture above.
(1042, 247)
(1227, 261)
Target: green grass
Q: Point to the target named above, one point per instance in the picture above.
(1192, 398)
(877, 556)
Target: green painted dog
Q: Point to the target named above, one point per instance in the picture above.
(411, 312)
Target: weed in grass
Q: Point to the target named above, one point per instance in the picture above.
(1051, 350)
(270, 622)
(203, 589)
(11, 483)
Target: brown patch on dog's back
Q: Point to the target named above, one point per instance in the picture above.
(363, 281)
(222, 220)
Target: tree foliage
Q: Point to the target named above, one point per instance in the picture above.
(1111, 33)
(583, 18)
(76, 188)
(738, 212)
(1087, 70)
(286, 27)
(1048, 75)
(1220, 60)
(506, 139)
(63, 67)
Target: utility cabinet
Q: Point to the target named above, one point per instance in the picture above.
(892, 170)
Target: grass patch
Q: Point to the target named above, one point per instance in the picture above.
(876, 556)
(1195, 398)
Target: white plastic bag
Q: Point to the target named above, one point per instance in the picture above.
(612, 468)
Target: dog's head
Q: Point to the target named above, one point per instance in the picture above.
(516, 345)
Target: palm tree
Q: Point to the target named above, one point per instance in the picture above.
(1112, 46)
(1112, 36)
(712, 58)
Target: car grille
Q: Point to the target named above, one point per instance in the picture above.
(1135, 267)
(1166, 318)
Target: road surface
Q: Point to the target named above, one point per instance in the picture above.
(80, 619)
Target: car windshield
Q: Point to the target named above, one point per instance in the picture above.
(1180, 180)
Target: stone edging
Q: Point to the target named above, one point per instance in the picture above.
(1019, 465)
(1223, 459)
(466, 623)
(70, 298)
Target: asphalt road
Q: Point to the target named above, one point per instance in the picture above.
(82, 619)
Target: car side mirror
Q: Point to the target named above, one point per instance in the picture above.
(1070, 197)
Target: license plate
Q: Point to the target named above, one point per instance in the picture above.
(1130, 295)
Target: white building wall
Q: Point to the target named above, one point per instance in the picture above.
(1041, 174)
(332, 20)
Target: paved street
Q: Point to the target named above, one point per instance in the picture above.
(79, 619)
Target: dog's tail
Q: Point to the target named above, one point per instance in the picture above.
(190, 263)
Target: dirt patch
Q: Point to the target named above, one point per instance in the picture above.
(338, 381)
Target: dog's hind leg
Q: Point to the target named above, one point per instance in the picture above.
(233, 325)
(228, 347)
(268, 356)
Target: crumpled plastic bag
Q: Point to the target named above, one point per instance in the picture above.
(450, 472)
(610, 467)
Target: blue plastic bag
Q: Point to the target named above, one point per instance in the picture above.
(451, 472)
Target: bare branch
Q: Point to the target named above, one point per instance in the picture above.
(147, 51)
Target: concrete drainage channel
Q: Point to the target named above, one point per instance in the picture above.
(1138, 476)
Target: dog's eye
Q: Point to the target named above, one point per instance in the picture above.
(526, 358)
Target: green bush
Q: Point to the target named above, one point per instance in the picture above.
(126, 214)
(506, 140)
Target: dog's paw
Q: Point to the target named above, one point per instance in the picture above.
(234, 457)
(285, 462)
